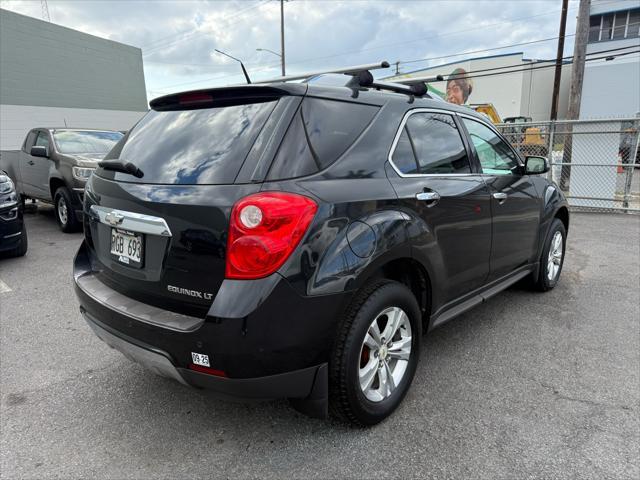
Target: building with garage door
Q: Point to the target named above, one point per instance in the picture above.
(52, 76)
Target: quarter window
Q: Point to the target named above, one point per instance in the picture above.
(430, 143)
(321, 132)
(495, 156)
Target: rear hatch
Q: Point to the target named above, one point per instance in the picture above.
(160, 238)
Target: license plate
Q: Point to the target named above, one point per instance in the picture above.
(126, 247)
(200, 359)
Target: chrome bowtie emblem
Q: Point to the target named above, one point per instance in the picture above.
(114, 218)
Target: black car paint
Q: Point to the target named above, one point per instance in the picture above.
(11, 224)
(367, 219)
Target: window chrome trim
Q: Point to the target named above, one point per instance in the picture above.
(135, 222)
(396, 139)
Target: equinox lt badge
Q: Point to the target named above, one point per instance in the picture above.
(191, 293)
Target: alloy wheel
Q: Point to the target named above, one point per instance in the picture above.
(385, 353)
(555, 256)
(62, 210)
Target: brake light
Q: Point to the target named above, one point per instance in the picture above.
(265, 228)
(194, 98)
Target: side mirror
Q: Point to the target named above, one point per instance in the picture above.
(534, 165)
(39, 151)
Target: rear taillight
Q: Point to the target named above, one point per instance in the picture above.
(263, 231)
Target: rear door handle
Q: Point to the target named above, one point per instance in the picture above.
(501, 197)
(430, 197)
(31, 162)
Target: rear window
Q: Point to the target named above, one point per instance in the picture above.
(321, 131)
(188, 147)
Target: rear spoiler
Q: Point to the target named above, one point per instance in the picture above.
(224, 97)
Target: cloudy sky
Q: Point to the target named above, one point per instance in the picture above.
(177, 38)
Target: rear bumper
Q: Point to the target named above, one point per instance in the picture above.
(295, 384)
(277, 349)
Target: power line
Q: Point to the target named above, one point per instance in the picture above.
(157, 40)
(195, 33)
(270, 66)
(380, 46)
(481, 27)
(517, 68)
(551, 65)
(480, 51)
(528, 65)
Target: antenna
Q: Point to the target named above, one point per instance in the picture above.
(45, 10)
(244, 70)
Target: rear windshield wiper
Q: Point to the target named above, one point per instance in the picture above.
(124, 167)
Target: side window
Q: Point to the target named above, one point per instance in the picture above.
(496, 158)
(30, 140)
(43, 139)
(320, 133)
(430, 143)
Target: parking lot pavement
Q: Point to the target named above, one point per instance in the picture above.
(526, 385)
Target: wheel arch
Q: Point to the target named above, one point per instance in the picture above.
(563, 215)
(409, 272)
(54, 184)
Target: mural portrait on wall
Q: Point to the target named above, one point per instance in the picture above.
(459, 87)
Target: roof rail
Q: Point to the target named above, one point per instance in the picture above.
(353, 71)
(418, 89)
(414, 80)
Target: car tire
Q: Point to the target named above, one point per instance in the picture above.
(357, 356)
(552, 258)
(65, 214)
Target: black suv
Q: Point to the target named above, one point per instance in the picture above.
(294, 240)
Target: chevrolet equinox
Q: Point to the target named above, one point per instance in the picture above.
(294, 240)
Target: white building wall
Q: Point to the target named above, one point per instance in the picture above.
(611, 89)
(605, 6)
(17, 120)
(537, 90)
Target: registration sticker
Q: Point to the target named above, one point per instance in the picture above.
(200, 359)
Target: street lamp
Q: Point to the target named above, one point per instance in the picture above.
(275, 53)
(267, 50)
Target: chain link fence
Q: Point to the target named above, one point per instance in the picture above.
(596, 163)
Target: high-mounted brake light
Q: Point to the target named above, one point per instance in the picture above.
(194, 98)
(265, 228)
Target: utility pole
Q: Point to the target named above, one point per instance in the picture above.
(575, 91)
(579, 54)
(282, 36)
(558, 73)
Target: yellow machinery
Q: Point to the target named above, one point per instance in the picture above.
(528, 140)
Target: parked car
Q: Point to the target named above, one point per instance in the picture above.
(354, 218)
(13, 232)
(53, 166)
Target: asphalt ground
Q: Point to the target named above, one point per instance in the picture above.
(526, 385)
